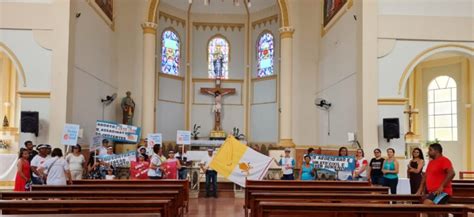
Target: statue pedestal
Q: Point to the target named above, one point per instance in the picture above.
(217, 135)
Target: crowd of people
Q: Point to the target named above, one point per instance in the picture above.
(47, 166)
(434, 181)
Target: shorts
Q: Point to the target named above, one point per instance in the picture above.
(441, 198)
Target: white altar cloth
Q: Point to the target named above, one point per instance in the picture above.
(8, 167)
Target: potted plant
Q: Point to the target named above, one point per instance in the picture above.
(195, 133)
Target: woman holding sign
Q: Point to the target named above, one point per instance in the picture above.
(171, 166)
(308, 171)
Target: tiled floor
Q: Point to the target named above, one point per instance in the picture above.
(220, 207)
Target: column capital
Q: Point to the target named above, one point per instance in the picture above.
(149, 28)
(286, 32)
(286, 143)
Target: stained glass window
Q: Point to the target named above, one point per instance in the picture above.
(442, 109)
(170, 53)
(218, 48)
(265, 54)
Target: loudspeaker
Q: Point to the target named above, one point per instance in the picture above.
(30, 122)
(391, 128)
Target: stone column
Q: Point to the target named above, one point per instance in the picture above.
(148, 82)
(286, 71)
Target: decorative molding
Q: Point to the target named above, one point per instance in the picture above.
(218, 26)
(211, 80)
(284, 13)
(265, 21)
(392, 101)
(385, 47)
(270, 77)
(33, 94)
(149, 28)
(152, 9)
(98, 10)
(286, 32)
(324, 29)
(175, 77)
(170, 101)
(409, 68)
(263, 103)
(171, 18)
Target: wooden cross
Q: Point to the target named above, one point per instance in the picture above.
(217, 92)
(410, 113)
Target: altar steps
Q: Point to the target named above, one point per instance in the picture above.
(224, 190)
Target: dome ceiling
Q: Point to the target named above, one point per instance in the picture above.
(220, 6)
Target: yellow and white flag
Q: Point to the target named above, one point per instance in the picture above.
(237, 162)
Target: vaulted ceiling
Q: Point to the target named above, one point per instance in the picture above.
(220, 6)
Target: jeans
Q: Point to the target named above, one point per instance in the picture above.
(392, 183)
(211, 179)
(377, 180)
(288, 177)
(182, 173)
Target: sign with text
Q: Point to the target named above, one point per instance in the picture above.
(70, 134)
(154, 139)
(96, 142)
(336, 163)
(118, 132)
(183, 137)
(120, 160)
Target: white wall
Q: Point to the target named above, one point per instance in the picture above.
(445, 8)
(337, 80)
(94, 75)
(36, 60)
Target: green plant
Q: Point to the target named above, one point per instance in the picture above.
(195, 133)
(236, 133)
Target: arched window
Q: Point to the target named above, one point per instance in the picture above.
(170, 53)
(265, 53)
(442, 109)
(218, 48)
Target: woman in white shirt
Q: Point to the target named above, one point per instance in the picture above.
(57, 169)
(77, 162)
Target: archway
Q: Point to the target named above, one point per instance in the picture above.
(453, 61)
(11, 75)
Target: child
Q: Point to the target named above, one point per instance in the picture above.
(110, 174)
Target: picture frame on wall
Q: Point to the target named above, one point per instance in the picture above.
(105, 9)
(332, 11)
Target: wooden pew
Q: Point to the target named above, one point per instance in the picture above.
(463, 189)
(84, 207)
(124, 187)
(310, 187)
(465, 181)
(89, 215)
(271, 209)
(184, 183)
(256, 198)
(307, 183)
(98, 195)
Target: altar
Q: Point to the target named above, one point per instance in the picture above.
(8, 170)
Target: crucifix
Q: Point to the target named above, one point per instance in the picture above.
(217, 92)
(411, 111)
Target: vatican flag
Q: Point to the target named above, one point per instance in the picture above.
(237, 162)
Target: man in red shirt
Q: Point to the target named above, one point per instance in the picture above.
(437, 178)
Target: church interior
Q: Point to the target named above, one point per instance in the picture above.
(252, 83)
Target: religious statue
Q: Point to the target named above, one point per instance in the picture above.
(5, 122)
(128, 109)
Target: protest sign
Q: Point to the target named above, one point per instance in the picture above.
(70, 134)
(118, 132)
